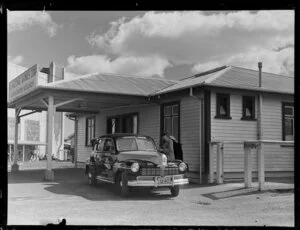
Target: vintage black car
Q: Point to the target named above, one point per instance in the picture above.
(129, 160)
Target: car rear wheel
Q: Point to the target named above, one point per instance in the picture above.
(91, 178)
(175, 190)
(121, 185)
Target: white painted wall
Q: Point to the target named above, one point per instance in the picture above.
(277, 158)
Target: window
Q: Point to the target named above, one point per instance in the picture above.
(288, 125)
(248, 108)
(126, 123)
(170, 114)
(223, 106)
(32, 130)
(90, 130)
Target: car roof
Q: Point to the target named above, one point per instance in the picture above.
(115, 135)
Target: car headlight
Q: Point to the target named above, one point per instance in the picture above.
(135, 167)
(182, 167)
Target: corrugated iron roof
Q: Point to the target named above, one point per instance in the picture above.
(235, 77)
(113, 83)
(226, 76)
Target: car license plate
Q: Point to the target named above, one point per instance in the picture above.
(164, 180)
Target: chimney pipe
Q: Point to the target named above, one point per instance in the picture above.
(259, 67)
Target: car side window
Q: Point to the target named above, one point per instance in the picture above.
(109, 145)
(100, 145)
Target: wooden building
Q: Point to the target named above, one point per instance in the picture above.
(217, 105)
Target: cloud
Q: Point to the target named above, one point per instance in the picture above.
(278, 62)
(16, 60)
(22, 20)
(139, 66)
(192, 37)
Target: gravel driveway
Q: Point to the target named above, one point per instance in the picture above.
(32, 201)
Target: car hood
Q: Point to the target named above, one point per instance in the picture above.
(154, 157)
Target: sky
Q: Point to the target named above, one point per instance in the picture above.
(166, 44)
(172, 45)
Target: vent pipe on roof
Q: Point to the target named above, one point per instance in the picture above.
(259, 68)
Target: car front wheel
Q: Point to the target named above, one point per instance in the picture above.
(175, 190)
(121, 185)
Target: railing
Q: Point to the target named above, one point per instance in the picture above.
(248, 145)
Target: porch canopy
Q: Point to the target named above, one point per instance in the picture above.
(85, 94)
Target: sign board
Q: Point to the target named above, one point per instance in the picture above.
(24, 83)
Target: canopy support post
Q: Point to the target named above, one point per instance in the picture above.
(49, 174)
(15, 166)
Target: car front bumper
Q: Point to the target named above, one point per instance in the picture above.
(152, 181)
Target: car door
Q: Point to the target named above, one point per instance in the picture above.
(108, 158)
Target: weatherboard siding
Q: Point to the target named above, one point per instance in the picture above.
(149, 124)
(277, 158)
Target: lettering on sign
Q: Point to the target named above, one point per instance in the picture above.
(24, 83)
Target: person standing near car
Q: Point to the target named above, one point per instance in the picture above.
(167, 147)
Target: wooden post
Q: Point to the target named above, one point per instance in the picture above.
(211, 168)
(10, 153)
(49, 175)
(15, 166)
(23, 152)
(219, 164)
(75, 142)
(260, 149)
(261, 167)
(247, 166)
(222, 161)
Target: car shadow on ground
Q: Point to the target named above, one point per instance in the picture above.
(73, 182)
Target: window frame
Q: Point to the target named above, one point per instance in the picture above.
(121, 116)
(218, 97)
(283, 105)
(253, 101)
(162, 109)
(88, 142)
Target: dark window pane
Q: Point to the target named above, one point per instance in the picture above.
(127, 125)
(289, 127)
(117, 125)
(109, 125)
(175, 109)
(289, 111)
(175, 127)
(168, 125)
(167, 110)
(223, 106)
(248, 107)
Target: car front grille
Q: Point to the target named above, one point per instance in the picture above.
(151, 171)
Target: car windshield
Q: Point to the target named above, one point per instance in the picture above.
(135, 144)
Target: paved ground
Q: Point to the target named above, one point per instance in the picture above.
(41, 164)
(32, 201)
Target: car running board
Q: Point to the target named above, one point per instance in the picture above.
(104, 179)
